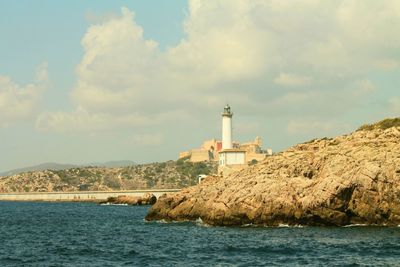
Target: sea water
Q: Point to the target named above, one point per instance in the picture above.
(86, 234)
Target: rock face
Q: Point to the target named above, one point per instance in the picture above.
(147, 199)
(351, 179)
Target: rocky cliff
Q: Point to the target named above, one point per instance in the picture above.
(351, 179)
(170, 174)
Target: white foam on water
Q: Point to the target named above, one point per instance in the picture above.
(247, 225)
(290, 226)
(356, 225)
(111, 204)
(199, 222)
(163, 221)
(284, 225)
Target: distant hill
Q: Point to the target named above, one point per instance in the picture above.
(170, 174)
(113, 164)
(58, 166)
(40, 167)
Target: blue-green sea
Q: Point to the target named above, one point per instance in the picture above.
(86, 234)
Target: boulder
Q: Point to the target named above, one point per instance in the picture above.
(147, 199)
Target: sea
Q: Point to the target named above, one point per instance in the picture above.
(88, 234)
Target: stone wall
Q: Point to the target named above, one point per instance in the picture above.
(199, 155)
(258, 157)
(79, 196)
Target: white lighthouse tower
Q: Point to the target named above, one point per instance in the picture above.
(227, 128)
(230, 158)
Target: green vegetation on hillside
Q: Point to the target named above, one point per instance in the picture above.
(170, 174)
(193, 170)
(383, 125)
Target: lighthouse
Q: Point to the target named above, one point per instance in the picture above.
(227, 128)
(230, 158)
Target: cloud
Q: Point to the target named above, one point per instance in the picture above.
(18, 103)
(233, 51)
(82, 120)
(85, 121)
(246, 127)
(394, 104)
(361, 87)
(287, 79)
(324, 101)
(315, 126)
(387, 64)
(117, 69)
(222, 48)
(151, 139)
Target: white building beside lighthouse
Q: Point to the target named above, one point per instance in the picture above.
(230, 158)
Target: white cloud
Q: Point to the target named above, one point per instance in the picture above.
(287, 79)
(326, 102)
(223, 44)
(18, 102)
(151, 139)
(118, 67)
(387, 64)
(229, 54)
(316, 127)
(394, 104)
(246, 127)
(361, 87)
(84, 121)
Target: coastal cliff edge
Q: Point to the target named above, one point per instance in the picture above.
(350, 179)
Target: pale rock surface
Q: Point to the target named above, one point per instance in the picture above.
(352, 179)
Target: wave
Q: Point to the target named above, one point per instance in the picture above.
(163, 221)
(199, 222)
(356, 225)
(111, 204)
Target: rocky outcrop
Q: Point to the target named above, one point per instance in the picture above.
(147, 199)
(351, 179)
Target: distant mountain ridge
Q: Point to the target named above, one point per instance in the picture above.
(59, 166)
(112, 164)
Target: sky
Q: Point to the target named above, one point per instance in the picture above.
(92, 81)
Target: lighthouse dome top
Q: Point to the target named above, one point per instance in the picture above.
(227, 111)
